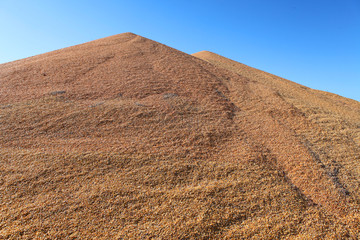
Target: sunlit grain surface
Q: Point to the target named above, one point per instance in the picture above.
(125, 138)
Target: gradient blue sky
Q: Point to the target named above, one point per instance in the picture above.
(312, 42)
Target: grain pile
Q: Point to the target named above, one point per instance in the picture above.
(126, 138)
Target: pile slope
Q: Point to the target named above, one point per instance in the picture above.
(126, 138)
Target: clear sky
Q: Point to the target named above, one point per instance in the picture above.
(312, 42)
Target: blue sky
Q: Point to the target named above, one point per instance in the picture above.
(312, 42)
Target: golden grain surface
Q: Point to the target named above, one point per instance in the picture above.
(126, 138)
